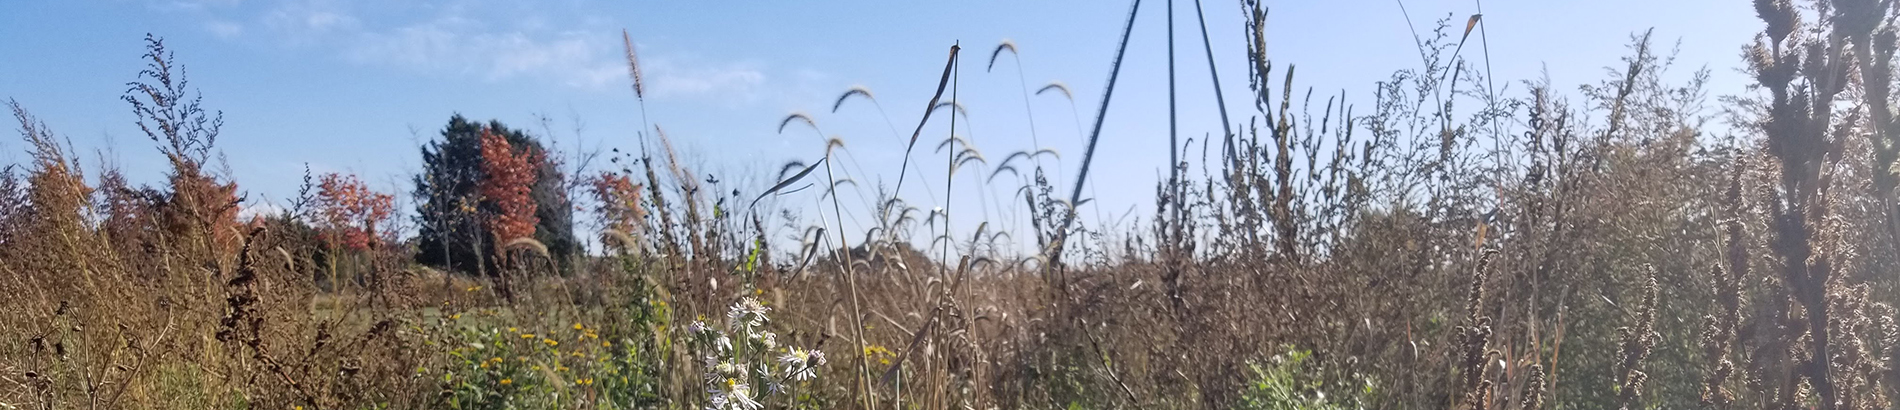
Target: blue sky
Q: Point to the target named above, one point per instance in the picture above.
(356, 85)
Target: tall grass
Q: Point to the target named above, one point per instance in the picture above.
(1551, 249)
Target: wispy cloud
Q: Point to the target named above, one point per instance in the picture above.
(224, 29)
(488, 40)
(455, 44)
(260, 209)
(309, 22)
(190, 4)
(733, 82)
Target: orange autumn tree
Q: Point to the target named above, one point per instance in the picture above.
(200, 204)
(347, 212)
(618, 200)
(507, 186)
(456, 200)
(56, 192)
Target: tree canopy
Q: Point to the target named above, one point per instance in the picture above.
(459, 201)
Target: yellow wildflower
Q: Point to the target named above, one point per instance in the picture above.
(527, 335)
(550, 342)
(506, 382)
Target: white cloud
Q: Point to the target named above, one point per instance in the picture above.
(310, 21)
(460, 45)
(325, 20)
(193, 5)
(264, 208)
(489, 40)
(224, 29)
(735, 82)
(455, 41)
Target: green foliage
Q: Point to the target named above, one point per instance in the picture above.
(642, 371)
(1285, 382)
(497, 367)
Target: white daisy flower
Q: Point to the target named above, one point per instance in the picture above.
(729, 370)
(802, 365)
(739, 396)
(746, 315)
(769, 340)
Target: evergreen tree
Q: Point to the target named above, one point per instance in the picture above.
(450, 208)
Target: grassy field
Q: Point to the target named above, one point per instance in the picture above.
(1451, 246)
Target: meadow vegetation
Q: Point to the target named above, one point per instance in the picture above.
(1458, 244)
